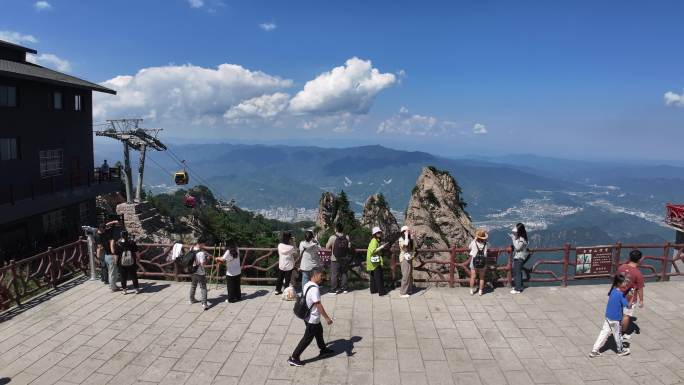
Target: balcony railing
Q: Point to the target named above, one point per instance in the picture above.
(15, 192)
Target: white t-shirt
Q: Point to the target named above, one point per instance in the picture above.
(232, 264)
(200, 258)
(176, 251)
(312, 297)
(286, 257)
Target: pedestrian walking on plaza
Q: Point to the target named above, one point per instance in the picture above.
(313, 328)
(308, 249)
(233, 272)
(199, 276)
(374, 262)
(340, 260)
(127, 261)
(407, 249)
(110, 235)
(634, 292)
(478, 260)
(613, 317)
(286, 262)
(520, 252)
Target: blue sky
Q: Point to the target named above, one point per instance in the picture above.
(574, 79)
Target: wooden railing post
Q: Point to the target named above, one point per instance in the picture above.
(452, 267)
(53, 267)
(666, 256)
(616, 258)
(566, 262)
(15, 282)
(175, 272)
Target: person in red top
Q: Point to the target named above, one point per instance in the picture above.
(635, 289)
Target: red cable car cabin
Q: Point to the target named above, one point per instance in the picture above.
(189, 201)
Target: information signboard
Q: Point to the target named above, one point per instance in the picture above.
(596, 260)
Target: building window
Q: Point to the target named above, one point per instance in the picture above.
(77, 103)
(8, 96)
(9, 149)
(54, 221)
(51, 163)
(57, 100)
(84, 213)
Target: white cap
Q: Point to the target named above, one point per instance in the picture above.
(376, 230)
(404, 228)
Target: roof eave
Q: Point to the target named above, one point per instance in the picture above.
(43, 80)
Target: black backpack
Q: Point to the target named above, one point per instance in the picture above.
(341, 247)
(187, 261)
(479, 260)
(300, 309)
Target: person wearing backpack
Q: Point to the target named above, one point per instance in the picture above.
(374, 262)
(407, 249)
(312, 321)
(520, 252)
(199, 275)
(308, 249)
(340, 258)
(478, 260)
(127, 259)
(286, 262)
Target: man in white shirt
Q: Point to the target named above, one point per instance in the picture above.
(314, 329)
(199, 276)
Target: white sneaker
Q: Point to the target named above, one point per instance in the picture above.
(345, 292)
(405, 295)
(473, 291)
(515, 291)
(624, 352)
(333, 293)
(626, 337)
(480, 293)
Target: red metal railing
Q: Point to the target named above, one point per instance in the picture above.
(29, 276)
(674, 215)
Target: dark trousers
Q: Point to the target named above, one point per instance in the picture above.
(104, 273)
(284, 277)
(128, 272)
(517, 274)
(233, 287)
(311, 331)
(338, 275)
(377, 283)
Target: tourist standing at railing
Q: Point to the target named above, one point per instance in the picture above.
(308, 249)
(407, 249)
(100, 253)
(478, 260)
(233, 272)
(340, 259)
(127, 261)
(634, 292)
(374, 262)
(520, 253)
(104, 171)
(286, 262)
(199, 276)
(109, 237)
(613, 317)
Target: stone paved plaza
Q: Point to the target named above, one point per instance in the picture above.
(87, 335)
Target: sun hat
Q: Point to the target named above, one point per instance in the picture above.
(404, 228)
(376, 230)
(481, 234)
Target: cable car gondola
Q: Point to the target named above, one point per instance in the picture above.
(181, 177)
(189, 201)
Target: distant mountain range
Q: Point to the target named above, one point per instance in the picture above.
(554, 196)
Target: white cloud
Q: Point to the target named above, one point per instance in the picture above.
(17, 38)
(50, 60)
(260, 107)
(42, 5)
(406, 123)
(196, 3)
(349, 88)
(674, 99)
(479, 129)
(187, 95)
(268, 27)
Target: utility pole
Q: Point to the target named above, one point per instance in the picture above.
(132, 136)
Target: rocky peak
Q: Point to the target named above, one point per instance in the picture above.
(436, 212)
(376, 212)
(326, 211)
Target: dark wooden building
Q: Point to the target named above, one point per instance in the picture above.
(48, 181)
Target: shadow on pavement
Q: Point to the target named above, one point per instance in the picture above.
(338, 346)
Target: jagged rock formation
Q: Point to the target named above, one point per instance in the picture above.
(326, 211)
(145, 224)
(376, 212)
(436, 214)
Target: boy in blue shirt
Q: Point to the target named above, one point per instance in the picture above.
(611, 324)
